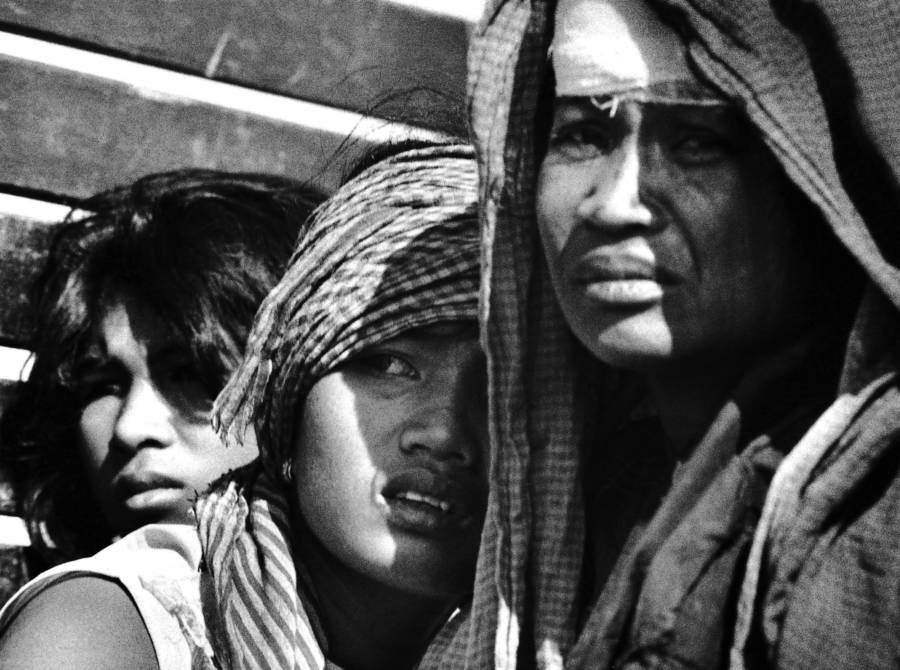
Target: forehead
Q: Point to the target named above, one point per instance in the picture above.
(607, 46)
(128, 323)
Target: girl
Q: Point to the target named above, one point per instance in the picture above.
(141, 315)
(364, 384)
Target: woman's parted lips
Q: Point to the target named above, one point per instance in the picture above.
(434, 502)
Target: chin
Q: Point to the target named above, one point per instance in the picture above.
(433, 571)
(633, 347)
(450, 582)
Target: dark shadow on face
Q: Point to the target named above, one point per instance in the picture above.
(460, 411)
(673, 237)
(391, 453)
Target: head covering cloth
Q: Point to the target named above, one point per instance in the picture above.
(819, 82)
(394, 248)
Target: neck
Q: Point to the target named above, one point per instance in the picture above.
(368, 624)
(688, 400)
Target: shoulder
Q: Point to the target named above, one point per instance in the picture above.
(84, 622)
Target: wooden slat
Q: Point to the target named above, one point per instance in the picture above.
(73, 134)
(23, 246)
(349, 53)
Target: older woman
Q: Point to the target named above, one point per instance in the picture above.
(681, 223)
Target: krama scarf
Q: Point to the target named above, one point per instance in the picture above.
(818, 79)
(394, 248)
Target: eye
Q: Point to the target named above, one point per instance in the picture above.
(698, 146)
(95, 385)
(582, 140)
(385, 363)
(180, 382)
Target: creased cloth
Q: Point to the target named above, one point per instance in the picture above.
(394, 248)
(820, 80)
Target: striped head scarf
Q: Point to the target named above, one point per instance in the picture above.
(394, 248)
(818, 80)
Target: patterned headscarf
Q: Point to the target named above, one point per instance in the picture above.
(395, 248)
(818, 79)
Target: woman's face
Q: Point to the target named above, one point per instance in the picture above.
(668, 234)
(144, 433)
(390, 460)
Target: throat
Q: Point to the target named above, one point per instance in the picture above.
(369, 625)
(688, 401)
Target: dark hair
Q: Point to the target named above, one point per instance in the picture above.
(201, 248)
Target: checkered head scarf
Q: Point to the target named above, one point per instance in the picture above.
(818, 79)
(395, 248)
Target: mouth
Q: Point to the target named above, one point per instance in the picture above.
(622, 279)
(150, 495)
(432, 504)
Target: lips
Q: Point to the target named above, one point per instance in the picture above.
(431, 503)
(149, 494)
(621, 277)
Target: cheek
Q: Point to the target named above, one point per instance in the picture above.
(95, 430)
(744, 253)
(333, 470)
(556, 201)
(742, 242)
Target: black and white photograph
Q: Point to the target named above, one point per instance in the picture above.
(450, 335)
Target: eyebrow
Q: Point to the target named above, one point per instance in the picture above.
(168, 350)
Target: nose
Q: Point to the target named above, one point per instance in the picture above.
(617, 195)
(451, 429)
(144, 419)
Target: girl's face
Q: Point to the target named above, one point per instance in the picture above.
(668, 233)
(144, 433)
(390, 460)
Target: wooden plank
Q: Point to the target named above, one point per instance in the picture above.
(73, 134)
(349, 53)
(23, 246)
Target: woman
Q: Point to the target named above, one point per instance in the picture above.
(141, 315)
(364, 385)
(678, 210)
(355, 535)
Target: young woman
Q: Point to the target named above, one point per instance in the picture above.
(141, 315)
(354, 537)
(680, 215)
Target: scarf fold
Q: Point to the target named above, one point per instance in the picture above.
(393, 249)
(263, 618)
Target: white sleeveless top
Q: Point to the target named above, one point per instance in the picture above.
(159, 567)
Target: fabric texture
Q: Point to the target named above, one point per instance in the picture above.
(395, 248)
(819, 80)
(158, 566)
